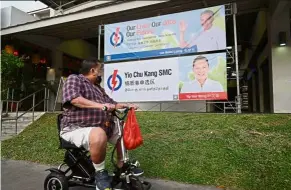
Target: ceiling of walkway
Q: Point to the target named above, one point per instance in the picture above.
(87, 28)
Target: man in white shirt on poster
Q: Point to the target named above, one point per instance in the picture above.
(201, 82)
(209, 39)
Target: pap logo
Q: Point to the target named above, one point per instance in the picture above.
(114, 81)
(116, 38)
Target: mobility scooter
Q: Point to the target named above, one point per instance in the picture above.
(78, 170)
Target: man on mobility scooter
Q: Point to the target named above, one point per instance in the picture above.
(85, 123)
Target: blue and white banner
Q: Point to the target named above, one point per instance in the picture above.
(193, 77)
(142, 81)
(174, 34)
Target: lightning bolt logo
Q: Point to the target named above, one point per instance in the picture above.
(116, 36)
(114, 81)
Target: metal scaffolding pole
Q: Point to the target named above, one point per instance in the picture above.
(99, 41)
(234, 8)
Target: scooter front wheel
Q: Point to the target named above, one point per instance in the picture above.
(135, 184)
(56, 181)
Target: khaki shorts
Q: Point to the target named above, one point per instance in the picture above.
(80, 136)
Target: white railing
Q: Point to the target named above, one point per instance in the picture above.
(31, 109)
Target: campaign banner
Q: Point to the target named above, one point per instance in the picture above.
(199, 77)
(142, 81)
(173, 34)
(203, 77)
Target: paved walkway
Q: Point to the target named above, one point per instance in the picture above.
(20, 175)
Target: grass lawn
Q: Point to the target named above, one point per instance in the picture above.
(235, 151)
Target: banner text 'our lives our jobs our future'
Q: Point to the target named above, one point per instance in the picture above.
(148, 28)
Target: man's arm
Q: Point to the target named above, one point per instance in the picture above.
(117, 105)
(84, 103)
(120, 105)
(221, 39)
(114, 103)
(182, 28)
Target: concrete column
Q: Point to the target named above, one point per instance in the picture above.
(261, 89)
(254, 108)
(56, 66)
(57, 62)
(269, 52)
(281, 58)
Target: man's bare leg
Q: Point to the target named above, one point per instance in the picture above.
(98, 142)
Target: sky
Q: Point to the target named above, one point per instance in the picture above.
(25, 6)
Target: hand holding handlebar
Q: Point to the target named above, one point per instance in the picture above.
(112, 107)
(109, 107)
(129, 106)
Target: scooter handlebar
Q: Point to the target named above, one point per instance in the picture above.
(121, 114)
(122, 110)
(118, 112)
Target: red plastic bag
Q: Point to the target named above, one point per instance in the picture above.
(131, 132)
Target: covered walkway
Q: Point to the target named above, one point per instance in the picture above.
(74, 31)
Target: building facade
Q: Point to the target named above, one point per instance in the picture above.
(70, 33)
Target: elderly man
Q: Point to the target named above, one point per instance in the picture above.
(209, 39)
(84, 122)
(201, 83)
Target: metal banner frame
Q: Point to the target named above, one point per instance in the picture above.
(236, 59)
(232, 8)
(100, 32)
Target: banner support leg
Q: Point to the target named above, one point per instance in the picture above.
(234, 8)
(99, 41)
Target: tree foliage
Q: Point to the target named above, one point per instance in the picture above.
(10, 65)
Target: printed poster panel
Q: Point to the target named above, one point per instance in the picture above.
(173, 34)
(203, 77)
(142, 81)
(199, 77)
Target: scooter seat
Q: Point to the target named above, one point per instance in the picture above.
(67, 145)
(63, 143)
